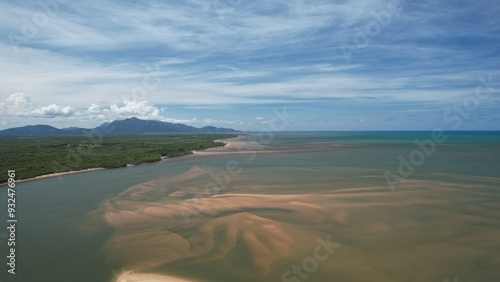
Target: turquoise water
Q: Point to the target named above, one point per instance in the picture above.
(440, 221)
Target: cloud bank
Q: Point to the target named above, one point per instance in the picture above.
(357, 57)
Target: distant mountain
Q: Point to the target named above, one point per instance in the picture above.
(73, 128)
(126, 126)
(32, 130)
(135, 125)
(216, 129)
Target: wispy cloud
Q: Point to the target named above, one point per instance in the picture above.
(185, 54)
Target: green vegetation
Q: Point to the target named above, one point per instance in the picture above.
(35, 156)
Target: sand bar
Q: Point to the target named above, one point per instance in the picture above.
(137, 277)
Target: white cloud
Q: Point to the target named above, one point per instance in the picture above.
(134, 108)
(235, 27)
(236, 52)
(185, 121)
(53, 110)
(94, 109)
(209, 121)
(16, 104)
(19, 100)
(20, 105)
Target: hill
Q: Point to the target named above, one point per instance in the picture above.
(126, 126)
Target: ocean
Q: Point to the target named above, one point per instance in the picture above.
(290, 206)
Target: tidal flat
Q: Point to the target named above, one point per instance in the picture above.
(297, 207)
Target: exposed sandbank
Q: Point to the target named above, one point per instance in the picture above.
(138, 277)
(252, 228)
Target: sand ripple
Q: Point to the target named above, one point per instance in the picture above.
(168, 227)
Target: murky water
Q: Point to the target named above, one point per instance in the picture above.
(288, 207)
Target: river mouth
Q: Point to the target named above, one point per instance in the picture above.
(253, 217)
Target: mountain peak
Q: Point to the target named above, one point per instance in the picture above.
(131, 125)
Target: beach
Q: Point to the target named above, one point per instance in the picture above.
(199, 152)
(250, 213)
(58, 174)
(136, 277)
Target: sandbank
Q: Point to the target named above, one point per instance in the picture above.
(138, 277)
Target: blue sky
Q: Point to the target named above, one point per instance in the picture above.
(332, 65)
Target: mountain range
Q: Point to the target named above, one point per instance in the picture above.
(126, 126)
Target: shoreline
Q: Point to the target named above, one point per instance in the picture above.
(230, 146)
(58, 174)
(149, 277)
(163, 158)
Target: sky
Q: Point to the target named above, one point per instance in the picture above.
(329, 65)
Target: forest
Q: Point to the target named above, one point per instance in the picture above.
(36, 156)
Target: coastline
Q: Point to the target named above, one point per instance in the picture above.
(58, 174)
(231, 145)
(149, 277)
(162, 158)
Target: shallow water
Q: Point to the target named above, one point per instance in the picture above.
(257, 208)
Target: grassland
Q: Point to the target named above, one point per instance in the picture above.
(36, 156)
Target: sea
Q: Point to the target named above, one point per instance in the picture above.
(271, 206)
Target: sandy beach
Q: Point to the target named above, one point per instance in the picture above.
(230, 146)
(195, 219)
(58, 174)
(141, 277)
(210, 151)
